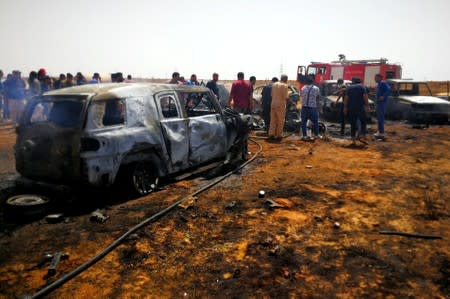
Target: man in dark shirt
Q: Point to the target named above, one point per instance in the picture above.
(212, 84)
(266, 101)
(355, 101)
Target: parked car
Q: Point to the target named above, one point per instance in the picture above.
(412, 100)
(294, 95)
(134, 133)
(330, 110)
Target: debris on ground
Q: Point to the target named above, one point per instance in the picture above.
(98, 216)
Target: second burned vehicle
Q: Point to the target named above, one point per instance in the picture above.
(412, 100)
(134, 134)
(330, 108)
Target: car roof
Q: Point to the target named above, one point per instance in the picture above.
(120, 90)
(405, 81)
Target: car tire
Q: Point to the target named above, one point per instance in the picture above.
(142, 178)
(25, 207)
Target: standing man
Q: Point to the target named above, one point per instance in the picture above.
(252, 82)
(310, 102)
(15, 93)
(193, 81)
(280, 95)
(266, 101)
(240, 95)
(341, 89)
(383, 92)
(355, 102)
(212, 84)
(175, 78)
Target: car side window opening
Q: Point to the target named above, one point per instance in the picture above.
(114, 112)
(168, 106)
(198, 104)
(63, 113)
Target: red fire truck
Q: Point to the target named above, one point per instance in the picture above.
(347, 69)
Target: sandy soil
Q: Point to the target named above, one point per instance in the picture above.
(322, 242)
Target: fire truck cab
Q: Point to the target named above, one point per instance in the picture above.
(347, 69)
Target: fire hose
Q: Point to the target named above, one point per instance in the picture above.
(59, 282)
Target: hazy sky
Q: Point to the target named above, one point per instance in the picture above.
(148, 38)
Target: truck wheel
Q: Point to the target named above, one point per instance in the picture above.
(143, 179)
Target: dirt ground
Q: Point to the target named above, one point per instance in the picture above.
(323, 241)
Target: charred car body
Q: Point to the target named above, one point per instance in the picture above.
(96, 134)
(412, 100)
(331, 110)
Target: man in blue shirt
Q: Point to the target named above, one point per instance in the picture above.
(383, 92)
(355, 102)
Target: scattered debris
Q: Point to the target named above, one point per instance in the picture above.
(54, 264)
(272, 203)
(231, 205)
(188, 202)
(241, 250)
(411, 235)
(420, 126)
(98, 216)
(54, 218)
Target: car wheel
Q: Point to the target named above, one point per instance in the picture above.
(143, 178)
(26, 206)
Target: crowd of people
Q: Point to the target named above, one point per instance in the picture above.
(15, 91)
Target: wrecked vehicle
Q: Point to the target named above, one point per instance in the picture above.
(134, 134)
(412, 100)
(294, 96)
(330, 109)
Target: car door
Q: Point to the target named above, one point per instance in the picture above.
(207, 131)
(174, 129)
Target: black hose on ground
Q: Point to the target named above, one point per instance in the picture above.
(59, 282)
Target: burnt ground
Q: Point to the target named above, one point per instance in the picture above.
(231, 244)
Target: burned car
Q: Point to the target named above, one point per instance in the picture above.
(412, 100)
(294, 96)
(132, 134)
(330, 109)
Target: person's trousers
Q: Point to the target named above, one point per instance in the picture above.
(266, 111)
(341, 116)
(354, 117)
(277, 116)
(16, 108)
(381, 109)
(313, 115)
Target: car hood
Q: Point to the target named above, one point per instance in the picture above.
(424, 100)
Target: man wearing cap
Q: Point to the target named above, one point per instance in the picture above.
(356, 101)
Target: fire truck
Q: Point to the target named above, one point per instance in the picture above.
(347, 69)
